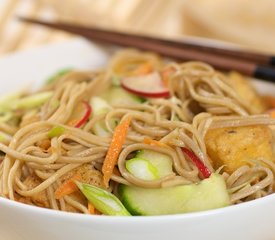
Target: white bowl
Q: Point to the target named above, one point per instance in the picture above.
(253, 220)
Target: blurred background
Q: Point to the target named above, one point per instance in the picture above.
(244, 23)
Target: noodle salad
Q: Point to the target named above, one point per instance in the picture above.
(141, 137)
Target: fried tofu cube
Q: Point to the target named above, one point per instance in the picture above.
(247, 92)
(234, 146)
(41, 198)
(89, 175)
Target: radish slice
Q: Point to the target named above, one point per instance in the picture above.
(149, 85)
(87, 113)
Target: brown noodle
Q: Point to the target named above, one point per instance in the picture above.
(192, 83)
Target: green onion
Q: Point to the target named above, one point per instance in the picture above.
(5, 116)
(13, 102)
(56, 131)
(55, 104)
(175, 117)
(116, 80)
(7, 100)
(102, 200)
(2, 138)
(57, 75)
(32, 101)
(6, 104)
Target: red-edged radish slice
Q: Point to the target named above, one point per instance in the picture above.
(149, 85)
(86, 114)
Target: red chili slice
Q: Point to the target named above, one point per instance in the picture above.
(200, 165)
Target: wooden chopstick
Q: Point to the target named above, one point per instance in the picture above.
(223, 59)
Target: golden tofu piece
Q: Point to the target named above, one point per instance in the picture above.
(246, 91)
(234, 146)
(41, 198)
(88, 174)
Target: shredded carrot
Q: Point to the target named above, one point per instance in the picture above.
(97, 212)
(91, 208)
(165, 74)
(143, 69)
(270, 100)
(44, 144)
(72, 123)
(116, 172)
(114, 150)
(271, 112)
(67, 187)
(152, 142)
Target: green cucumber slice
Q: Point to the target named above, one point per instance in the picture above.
(100, 129)
(57, 75)
(142, 169)
(209, 194)
(117, 95)
(99, 105)
(116, 80)
(162, 162)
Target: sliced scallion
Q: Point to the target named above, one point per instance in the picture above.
(56, 131)
(102, 200)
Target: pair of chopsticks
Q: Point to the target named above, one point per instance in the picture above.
(250, 64)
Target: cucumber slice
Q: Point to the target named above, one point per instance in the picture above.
(209, 194)
(117, 95)
(57, 75)
(162, 162)
(100, 130)
(116, 80)
(175, 118)
(142, 169)
(99, 105)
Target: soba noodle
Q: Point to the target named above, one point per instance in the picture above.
(200, 99)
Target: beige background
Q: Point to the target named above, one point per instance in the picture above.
(250, 23)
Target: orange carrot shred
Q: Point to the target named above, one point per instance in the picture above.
(165, 73)
(67, 187)
(271, 112)
(91, 208)
(114, 150)
(152, 142)
(143, 69)
(116, 172)
(72, 123)
(97, 212)
(270, 100)
(45, 144)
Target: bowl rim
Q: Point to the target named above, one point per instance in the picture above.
(137, 219)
